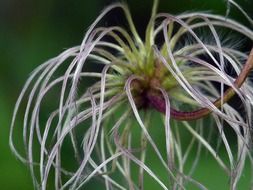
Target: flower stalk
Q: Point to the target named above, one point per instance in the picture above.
(158, 102)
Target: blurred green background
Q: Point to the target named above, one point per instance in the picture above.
(32, 31)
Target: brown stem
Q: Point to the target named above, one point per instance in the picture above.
(158, 102)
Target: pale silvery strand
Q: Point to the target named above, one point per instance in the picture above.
(105, 128)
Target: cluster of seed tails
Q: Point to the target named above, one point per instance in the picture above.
(172, 84)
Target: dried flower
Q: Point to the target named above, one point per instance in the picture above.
(180, 71)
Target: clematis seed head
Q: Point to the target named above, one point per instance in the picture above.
(175, 82)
